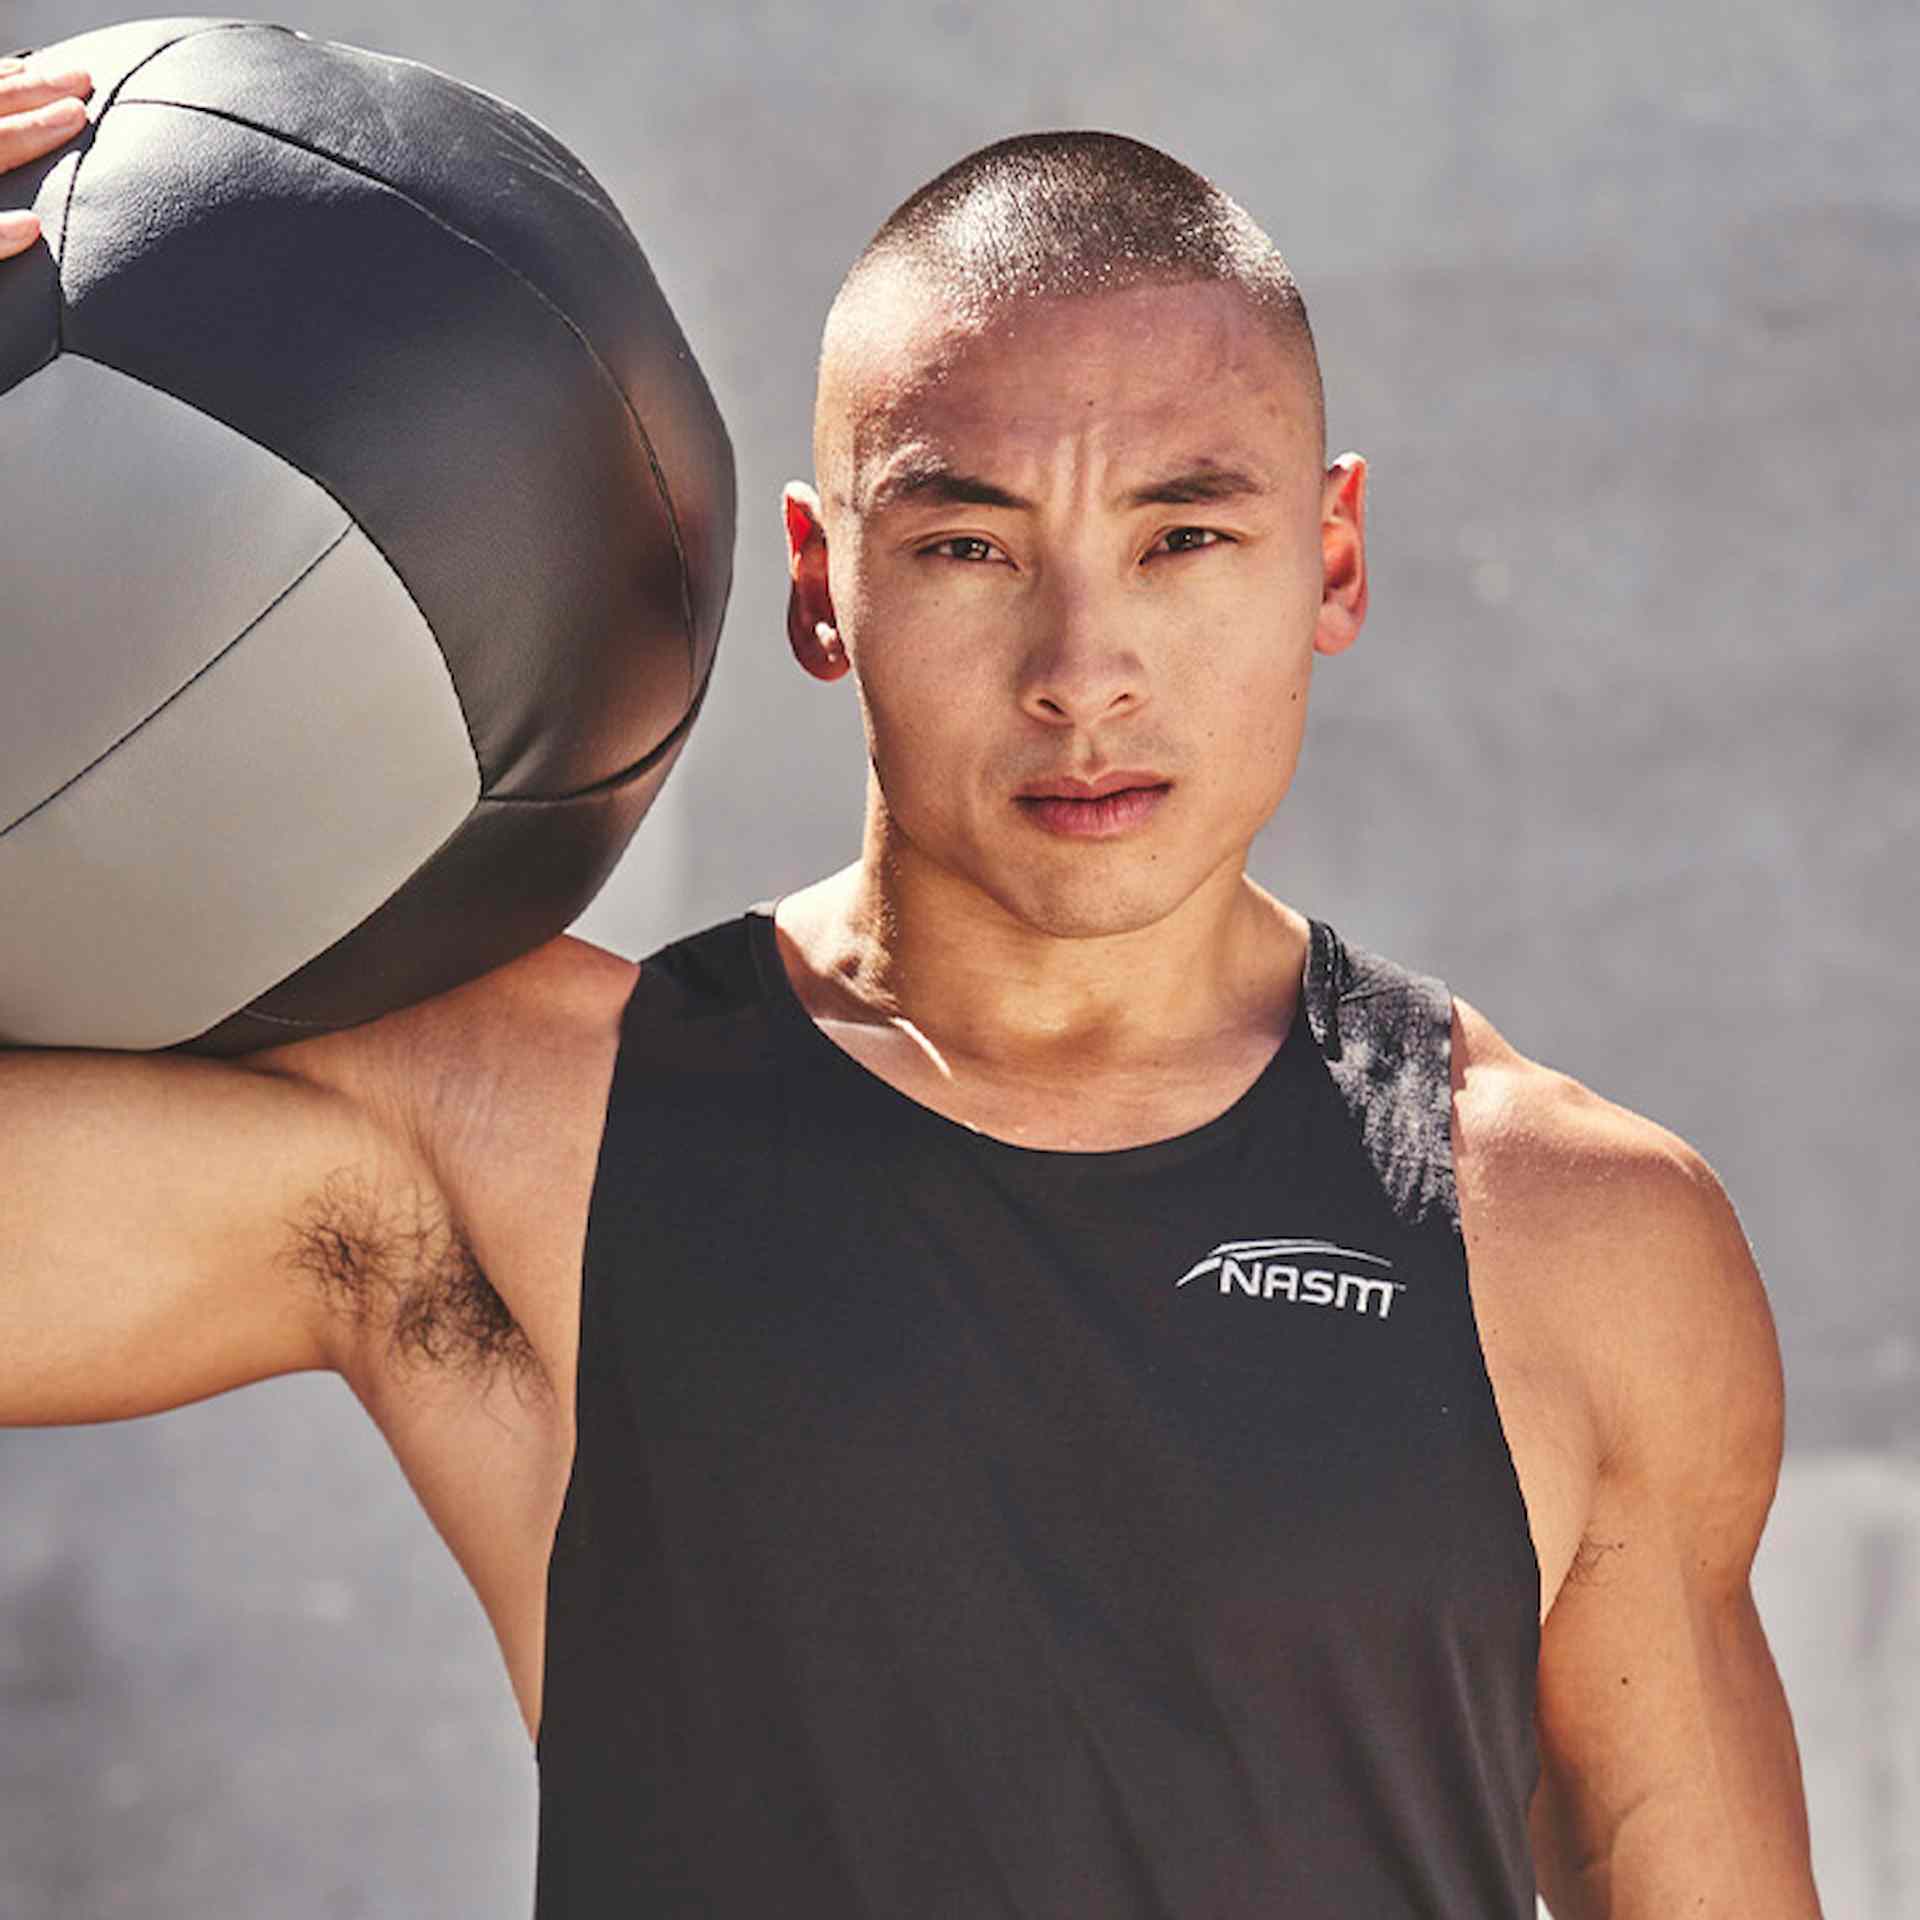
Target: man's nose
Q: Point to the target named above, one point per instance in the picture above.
(1080, 665)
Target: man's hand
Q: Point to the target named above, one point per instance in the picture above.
(38, 112)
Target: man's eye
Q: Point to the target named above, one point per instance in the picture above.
(963, 546)
(1187, 539)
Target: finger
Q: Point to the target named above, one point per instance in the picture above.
(18, 231)
(26, 136)
(22, 86)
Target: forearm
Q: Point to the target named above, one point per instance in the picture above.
(1757, 1761)
(1718, 1835)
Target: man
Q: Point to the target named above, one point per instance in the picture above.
(1028, 1378)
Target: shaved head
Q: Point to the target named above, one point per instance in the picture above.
(1045, 216)
(1071, 519)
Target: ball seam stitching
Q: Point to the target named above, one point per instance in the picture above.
(73, 179)
(205, 667)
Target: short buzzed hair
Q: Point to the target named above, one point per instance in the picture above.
(1042, 215)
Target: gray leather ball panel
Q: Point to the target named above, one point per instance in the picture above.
(108, 484)
(191, 869)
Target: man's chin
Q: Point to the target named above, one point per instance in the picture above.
(1083, 892)
(1087, 908)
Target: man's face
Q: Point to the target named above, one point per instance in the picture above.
(1080, 554)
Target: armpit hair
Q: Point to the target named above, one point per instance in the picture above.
(397, 1265)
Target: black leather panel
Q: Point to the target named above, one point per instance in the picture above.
(29, 288)
(109, 54)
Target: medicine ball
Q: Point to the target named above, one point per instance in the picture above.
(365, 531)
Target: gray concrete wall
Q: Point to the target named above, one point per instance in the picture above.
(1619, 302)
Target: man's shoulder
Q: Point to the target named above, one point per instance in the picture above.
(1544, 1149)
(458, 1073)
(1532, 1130)
(550, 1020)
(1620, 1223)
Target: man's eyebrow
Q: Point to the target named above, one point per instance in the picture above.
(932, 482)
(1208, 482)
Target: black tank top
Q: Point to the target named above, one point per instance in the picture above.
(963, 1531)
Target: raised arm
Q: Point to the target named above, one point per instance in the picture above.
(160, 1217)
(172, 1227)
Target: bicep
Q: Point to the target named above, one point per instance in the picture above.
(153, 1210)
(1669, 1775)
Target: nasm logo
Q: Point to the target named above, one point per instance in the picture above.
(1310, 1273)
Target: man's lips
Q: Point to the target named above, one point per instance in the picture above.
(1098, 809)
(1066, 787)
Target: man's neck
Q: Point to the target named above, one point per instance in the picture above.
(891, 941)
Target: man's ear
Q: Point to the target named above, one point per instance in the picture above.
(1343, 555)
(811, 631)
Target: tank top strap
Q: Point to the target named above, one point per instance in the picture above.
(1386, 1035)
